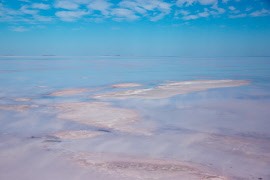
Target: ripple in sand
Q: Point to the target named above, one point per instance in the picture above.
(99, 114)
(144, 168)
(171, 89)
(77, 134)
(69, 92)
(126, 85)
(17, 107)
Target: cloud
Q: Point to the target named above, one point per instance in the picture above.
(66, 5)
(204, 14)
(196, 16)
(183, 12)
(122, 14)
(190, 17)
(151, 5)
(70, 15)
(40, 6)
(164, 7)
(158, 17)
(42, 18)
(238, 15)
(207, 2)
(133, 5)
(181, 3)
(185, 2)
(153, 9)
(263, 12)
(249, 8)
(82, 1)
(25, 9)
(19, 29)
(231, 8)
(100, 5)
(7, 11)
(217, 9)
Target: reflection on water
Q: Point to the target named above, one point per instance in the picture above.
(52, 128)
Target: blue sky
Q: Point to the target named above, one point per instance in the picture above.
(135, 27)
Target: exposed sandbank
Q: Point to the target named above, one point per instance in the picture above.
(22, 99)
(171, 89)
(77, 134)
(144, 168)
(126, 85)
(17, 107)
(99, 114)
(69, 92)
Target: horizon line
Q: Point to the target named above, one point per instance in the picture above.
(127, 56)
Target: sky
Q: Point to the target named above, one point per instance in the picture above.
(200, 28)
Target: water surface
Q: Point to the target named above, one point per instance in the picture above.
(223, 132)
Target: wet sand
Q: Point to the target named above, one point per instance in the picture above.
(171, 89)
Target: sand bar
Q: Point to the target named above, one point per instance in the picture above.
(171, 89)
(77, 134)
(126, 85)
(144, 168)
(17, 107)
(22, 99)
(69, 92)
(99, 114)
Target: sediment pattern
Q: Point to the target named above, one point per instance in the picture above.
(171, 89)
(126, 85)
(99, 114)
(144, 168)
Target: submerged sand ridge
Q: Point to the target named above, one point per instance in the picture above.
(69, 92)
(171, 89)
(70, 135)
(243, 146)
(99, 114)
(126, 85)
(144, 168)
(18, 107)
(22, 99)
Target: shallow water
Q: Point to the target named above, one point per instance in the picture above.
(224, 131)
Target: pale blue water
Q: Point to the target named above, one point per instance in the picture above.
(68, 72)
(177, 122)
